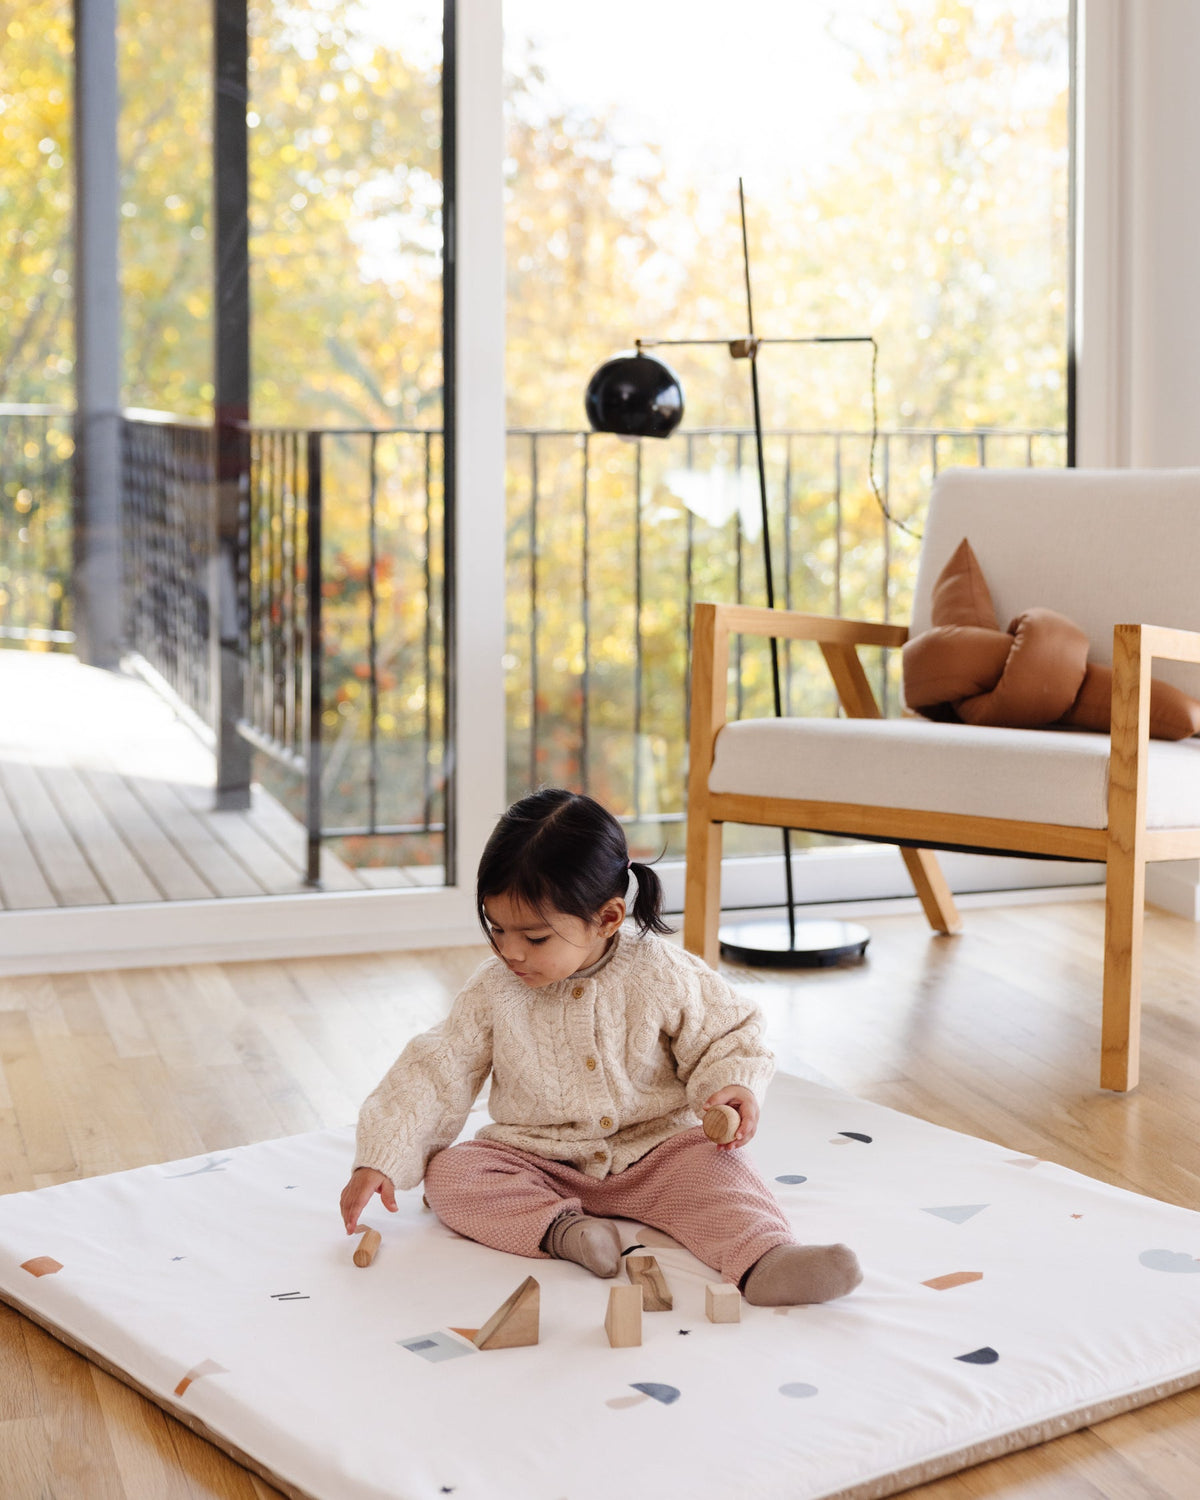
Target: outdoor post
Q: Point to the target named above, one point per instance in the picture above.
(97, 521)
(231, 381)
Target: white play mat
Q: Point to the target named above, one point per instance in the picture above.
(1006, 1300)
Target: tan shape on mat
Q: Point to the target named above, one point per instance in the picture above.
(620, 1403)
(955, 1278)
(655, 1239)
(198, 1372)
(514, 1324)
(466, 1333)
(1024, 1161)
(41, 1265)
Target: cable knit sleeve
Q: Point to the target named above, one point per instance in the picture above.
(424, 1098)
(720, 1041)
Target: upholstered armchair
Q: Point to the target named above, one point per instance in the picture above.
(1118, 552)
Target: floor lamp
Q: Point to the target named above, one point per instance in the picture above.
(636, 395)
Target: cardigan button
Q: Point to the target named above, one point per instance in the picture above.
(590, 1064)
(605, 1123)
(577, 992)
(598, 1156)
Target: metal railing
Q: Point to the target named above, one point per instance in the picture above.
(37, 445)
(346, 668)
(342, 587)
(167, 547)
(610, 543)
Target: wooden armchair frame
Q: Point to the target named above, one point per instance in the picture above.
(1124, 846)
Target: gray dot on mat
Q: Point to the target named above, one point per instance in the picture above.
(792, 1177)
(797, 1388)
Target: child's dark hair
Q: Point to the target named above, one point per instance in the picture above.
(561, 851)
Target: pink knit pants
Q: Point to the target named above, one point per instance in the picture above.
(713, 1202)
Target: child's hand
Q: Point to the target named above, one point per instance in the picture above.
(747, 1107)
(364, 1183)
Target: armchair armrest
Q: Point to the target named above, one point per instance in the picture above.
(1134, 647)
(790, 624)
(838, 639)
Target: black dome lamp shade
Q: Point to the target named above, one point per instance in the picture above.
(634, 395)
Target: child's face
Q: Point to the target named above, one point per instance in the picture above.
(542, 948)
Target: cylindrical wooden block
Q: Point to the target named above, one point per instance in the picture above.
(721, 1123)
(367, 1247)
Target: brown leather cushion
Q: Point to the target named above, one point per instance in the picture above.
(1034, 675)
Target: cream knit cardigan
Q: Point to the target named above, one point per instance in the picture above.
(594, 1070)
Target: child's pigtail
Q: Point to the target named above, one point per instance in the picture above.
(647, 905)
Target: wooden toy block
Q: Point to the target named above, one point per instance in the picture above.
(721, 1123)
(722, 1302)
(623, 1321)
(514, 1324)
(367, 1247)
(645, 1271)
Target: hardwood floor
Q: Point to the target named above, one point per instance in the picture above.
(996, 1033)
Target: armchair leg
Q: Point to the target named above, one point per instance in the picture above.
(936, 899)
(1124, 910)
(702, 887)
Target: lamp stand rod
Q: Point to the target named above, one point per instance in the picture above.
(768, 570)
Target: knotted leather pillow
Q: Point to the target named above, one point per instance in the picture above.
(1033, 675)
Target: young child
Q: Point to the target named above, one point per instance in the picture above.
(604, 1047)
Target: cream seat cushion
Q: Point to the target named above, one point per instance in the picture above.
(1031, 775)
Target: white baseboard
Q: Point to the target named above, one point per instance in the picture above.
(1174, 884)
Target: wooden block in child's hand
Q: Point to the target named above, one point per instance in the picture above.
(367, 1247)
(722, 1302)
(721, 1123)
(623, 1321)
(645, 1271)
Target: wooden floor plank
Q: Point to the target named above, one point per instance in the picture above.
(23, 887)
(82, 1461)
(139, 1433)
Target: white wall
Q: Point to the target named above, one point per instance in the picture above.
(1139, 295)
(1138, 302)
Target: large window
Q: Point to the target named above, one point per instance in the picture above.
(906, 177)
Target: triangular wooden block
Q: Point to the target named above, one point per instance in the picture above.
(645, 1271)
(466, 1333)
(514, 1324)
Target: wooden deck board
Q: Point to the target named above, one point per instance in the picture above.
(106, 797)
(22, 884)
(63, 863)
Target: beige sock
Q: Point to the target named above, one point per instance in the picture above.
(791, 1274)
(594, 1244)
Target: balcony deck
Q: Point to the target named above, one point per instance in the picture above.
(106, 798)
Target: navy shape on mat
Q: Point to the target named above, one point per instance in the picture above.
(436, 1346)
(1169, 1260)
(856, 1135)
(664, 1393)
(791, 1178)
(984, 1356)
(797, 1388)
(290, 1297)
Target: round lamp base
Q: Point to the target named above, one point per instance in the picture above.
(817, 945)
